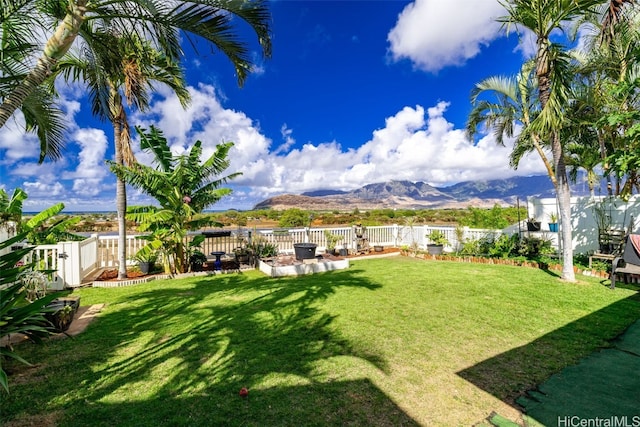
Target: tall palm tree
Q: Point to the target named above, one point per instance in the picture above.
(552, 74)
(160, 21)
(183, 186)
(514, 103)
(129, 77)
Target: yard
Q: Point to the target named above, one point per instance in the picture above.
(388, 342)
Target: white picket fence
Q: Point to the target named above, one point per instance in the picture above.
(384, 235)
(71, 262)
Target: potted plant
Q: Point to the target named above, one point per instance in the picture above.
(553, 222)
(533, 224)
(146, 258)
(261, 248)
(332, 239)
(243, 255)
(197, 260)
(437, 241)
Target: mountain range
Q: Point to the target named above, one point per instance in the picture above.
(420, 195)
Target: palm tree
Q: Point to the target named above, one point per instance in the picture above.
(612, 17)
(605, 88)
(183, 187)
(129, 76)
(514, 103)
(553, 77)
(155, 20)
(42, 116)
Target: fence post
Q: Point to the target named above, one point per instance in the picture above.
(396, 232)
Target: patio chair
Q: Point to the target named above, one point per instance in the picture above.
(629, 263)
(611, 243)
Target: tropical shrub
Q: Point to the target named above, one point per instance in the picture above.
(263, 249)
(183, 186)
(18, 315)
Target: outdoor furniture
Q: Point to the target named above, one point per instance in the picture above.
(629, 263)
(611, 243)
(217, 264)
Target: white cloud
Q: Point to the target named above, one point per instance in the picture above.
(93, 147)
(37, 189)
(15, 144)
(415, 144)
(434, 34)
(289, 141)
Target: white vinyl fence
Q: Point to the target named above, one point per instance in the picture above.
(73, 261)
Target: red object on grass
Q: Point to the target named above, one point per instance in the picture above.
(244, 392)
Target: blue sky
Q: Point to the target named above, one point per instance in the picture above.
(356, 92)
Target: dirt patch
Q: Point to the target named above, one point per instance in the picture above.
(384, 251)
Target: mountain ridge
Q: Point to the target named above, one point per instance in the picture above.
(404, 194)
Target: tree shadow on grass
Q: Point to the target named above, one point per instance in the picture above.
(513, 373)
(339, 403)
(196, 342)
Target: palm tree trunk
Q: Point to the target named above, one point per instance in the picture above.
(545, 161)
(56, 47)
(563, 196)
(121, 190)
(563, 191)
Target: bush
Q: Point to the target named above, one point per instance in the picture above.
(263, 249)
(18, 315)
(294, 218)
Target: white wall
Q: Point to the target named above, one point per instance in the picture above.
(585, 230)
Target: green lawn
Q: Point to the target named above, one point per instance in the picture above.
(393, 341)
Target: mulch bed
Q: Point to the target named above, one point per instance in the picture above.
(112, 274)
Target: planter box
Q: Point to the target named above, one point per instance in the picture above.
(435, 249)
(534, 225)
(63, 311)
(305, 250)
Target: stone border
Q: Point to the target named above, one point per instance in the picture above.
(146, 279)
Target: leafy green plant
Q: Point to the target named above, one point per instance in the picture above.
(197, 259)
(437, 237)
(532, 247)
(183, 186)
(332, 239)
(18, 315)
(146, 254)
(263, 249)
(503, 246)
(34, 283)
